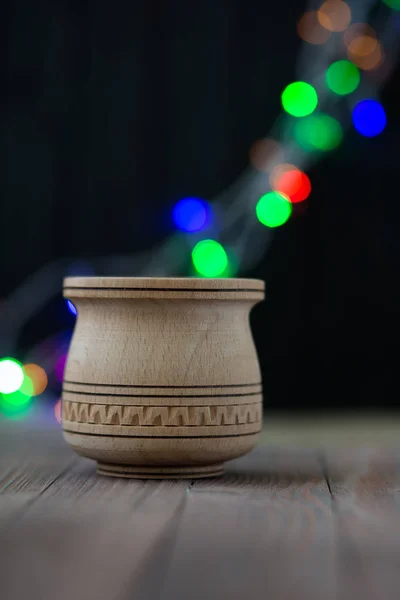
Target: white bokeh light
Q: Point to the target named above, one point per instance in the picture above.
(11, 376)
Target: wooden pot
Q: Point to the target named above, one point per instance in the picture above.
(162, 377)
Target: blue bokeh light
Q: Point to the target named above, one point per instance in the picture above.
(71, 308)
(369, 118)
(191, 214)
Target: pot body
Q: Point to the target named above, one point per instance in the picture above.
(162, 377)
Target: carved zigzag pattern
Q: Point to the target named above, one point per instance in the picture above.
(164, 416)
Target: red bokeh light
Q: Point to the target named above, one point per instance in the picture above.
(57, 410)
(295, 184)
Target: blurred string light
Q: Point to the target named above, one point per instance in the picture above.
(362, 46)
(71, 307)
(18, 384)
(334, 15)
(16, 405)
(357, 30)
(16, 399)
(294, 185)
(11, 375)
(57, 410)
(277, 173)
(395, 4)
(342, 77)
(369, 118)
(313, 131)
(38, 377)
(273, 209)
(192, 214)
(209, 258)
(26, 387)
(299, 99)
(318, 132)
(60, 367)
(310, 29)
(365, 52)
(263, 152)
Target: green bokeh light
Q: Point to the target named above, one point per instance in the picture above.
(342, 77)
(299, 99)
(27, 387)
(395, 4)
(318, 132)
(273, 209)
(15, 400)
(209, 258)
(11, 375)
(15, 405)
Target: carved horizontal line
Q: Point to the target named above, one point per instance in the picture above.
(158, 395)
(165, 437)
(162, 387)
(166, 289)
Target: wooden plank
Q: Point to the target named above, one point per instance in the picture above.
(67, 548)
(366, 497)
(31, 462)
(71, 533)
(251, 534)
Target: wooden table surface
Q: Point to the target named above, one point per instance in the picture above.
(288, 521)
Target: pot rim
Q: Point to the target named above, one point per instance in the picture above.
(163, 287)
(165, 283)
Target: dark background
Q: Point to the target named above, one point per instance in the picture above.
(111, 112)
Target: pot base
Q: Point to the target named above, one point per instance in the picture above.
(154, 472)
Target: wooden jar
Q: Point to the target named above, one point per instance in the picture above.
(162, 377)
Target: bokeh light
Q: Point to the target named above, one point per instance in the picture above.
(71, 307)
(369, 118)
(395, 4)
(366, 52)
(356, 30)
(209, 258)
(278, 171)
(38, 377)
(273, 209)
(26, 387)
(264, 153)
(310, 29)
(16, 405)
(233, 264)
(60, 367)
(318, 132)
(57, 410)
(295, 185)
(11, 375)
(191, 214)
(16, 399)
(342, 77)
(334, 15)
(299, 99)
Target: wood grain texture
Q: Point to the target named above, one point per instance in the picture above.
(256, 530)
(365, 487)
(161, 358)
(256, 533)
(270, 527)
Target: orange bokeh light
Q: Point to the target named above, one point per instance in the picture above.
(356, 30)
(294, 184)
(38, 377)
(365, 52)
(265, 153)
(334, 15)
(310, 29)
